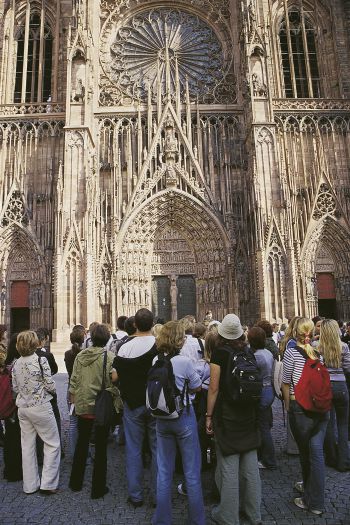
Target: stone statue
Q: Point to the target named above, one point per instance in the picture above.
(125, 298)
(79, 91)
(142, 294)
(3, 297)
(259, 88)
(173, 297)
(102, 293)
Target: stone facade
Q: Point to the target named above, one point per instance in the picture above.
(142, 140)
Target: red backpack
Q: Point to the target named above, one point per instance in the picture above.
(7, 404)
(313, 391)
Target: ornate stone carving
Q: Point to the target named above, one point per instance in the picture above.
(15, 211)
(139, 53)
(325, 203)
(310, 104)
(175, 47)
(30, 109)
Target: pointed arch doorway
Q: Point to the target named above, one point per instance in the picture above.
(173, 258)
(173, 275)
(327, 301)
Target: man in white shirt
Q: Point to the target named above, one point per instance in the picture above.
(131, 367)
(191, 347)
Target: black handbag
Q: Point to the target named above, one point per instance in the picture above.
(104, 408)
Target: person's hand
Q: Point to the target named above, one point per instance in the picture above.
(209, 425)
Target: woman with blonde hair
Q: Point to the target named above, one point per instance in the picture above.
(336, 357)
(181, 431)
(309, 428)
(32, 381)
(288, 340)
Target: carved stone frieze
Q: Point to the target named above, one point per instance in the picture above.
(300, 104)
(7, 110)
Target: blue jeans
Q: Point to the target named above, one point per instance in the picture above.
(183, 432)
(309, 430)
(266, 452)
(137, 423)
(337, 450)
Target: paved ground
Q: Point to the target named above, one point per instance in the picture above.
(16, 508)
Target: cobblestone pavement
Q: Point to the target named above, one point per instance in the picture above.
(16, 508)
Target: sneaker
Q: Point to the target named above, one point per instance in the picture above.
(135, 504)
(261, 465)
(299, 502)
(181, 490)
(299, 486)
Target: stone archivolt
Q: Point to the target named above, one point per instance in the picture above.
(173, 210)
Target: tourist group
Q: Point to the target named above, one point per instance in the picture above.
(182, 395)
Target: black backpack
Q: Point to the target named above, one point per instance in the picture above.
(163, 398)
(243, 383)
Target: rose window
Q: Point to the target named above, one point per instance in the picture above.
(162, 44)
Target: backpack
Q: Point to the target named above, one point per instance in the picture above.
(313, 391)
(163, 398)
(117, 343)
(7, 404)
(277, 371)
(243, 383)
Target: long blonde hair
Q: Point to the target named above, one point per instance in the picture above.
(330, 344)
(303, 326)
(289, 333)
(171, 338)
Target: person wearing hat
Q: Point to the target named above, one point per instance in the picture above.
(236, 433)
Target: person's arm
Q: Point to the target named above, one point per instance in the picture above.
(213, 391)
(49, 383)
(288, 365)
(346, 359)
(73, 381)
(52, 363)
(285, 393)
(114, 373)
(14, 381)
(194, 380)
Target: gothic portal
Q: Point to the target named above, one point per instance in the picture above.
(182, 156)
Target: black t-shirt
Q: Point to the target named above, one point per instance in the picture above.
(235, 425)
(221, 358)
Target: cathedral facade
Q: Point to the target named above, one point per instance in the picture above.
(184, 156)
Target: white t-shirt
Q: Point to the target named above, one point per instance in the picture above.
(120, 334)
(138, 346)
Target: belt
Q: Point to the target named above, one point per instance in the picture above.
(292, 398)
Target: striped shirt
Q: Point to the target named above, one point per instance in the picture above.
(293, 365)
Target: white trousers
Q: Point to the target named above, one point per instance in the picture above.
(39, 420)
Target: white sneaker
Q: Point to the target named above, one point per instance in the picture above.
(299, 486)
(261, 465)
(181, 490)
(299, 502)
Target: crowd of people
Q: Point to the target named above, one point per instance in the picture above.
(180, 393)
